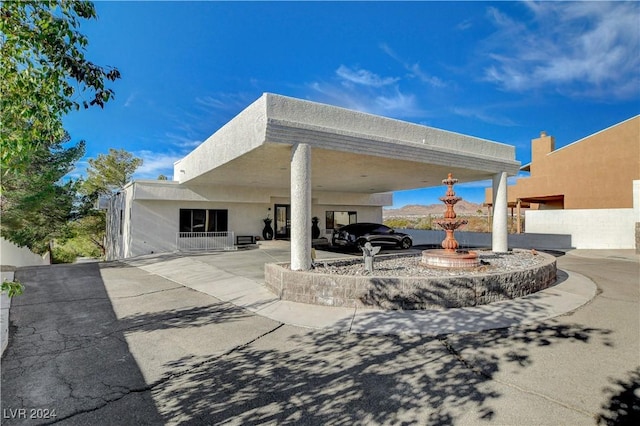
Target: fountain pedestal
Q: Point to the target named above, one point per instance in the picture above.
(450, 256)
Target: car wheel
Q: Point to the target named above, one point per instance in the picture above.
(405, 243)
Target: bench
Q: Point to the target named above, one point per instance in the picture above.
(245, 239)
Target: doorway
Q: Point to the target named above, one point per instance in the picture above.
(283, 221)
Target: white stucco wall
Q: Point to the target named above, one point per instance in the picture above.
(151, 212)
(589, 228)
(11, 254)
(154, 224)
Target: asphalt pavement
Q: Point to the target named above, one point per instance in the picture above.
(144, 342)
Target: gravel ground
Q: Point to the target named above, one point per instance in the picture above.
(409, 265)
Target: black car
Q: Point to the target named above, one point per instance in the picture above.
(357, 234)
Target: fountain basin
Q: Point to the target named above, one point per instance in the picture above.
(462, 289)
(449, 259)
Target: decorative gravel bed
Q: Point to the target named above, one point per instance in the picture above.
(409, 265)
(400, 282)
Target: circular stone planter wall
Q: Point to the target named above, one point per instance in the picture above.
(408, 292)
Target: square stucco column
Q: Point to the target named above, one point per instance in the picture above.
(499, 242)
(300, 207)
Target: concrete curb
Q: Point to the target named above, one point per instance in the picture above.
(6, 273)
(5, 304)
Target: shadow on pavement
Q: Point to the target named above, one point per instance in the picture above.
(67, 356)
(68, 352)
(623, 407)
(183, 318)
(337, 378)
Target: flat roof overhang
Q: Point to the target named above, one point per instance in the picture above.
(511, 204)
(543, 199)
(351, 151)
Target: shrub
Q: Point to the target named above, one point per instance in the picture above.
(398, 223)
(12, 288)
(424, 223)
(60, 254)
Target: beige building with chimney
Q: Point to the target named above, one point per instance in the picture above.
(593, 181)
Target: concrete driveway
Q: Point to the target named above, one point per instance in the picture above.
(124, 343)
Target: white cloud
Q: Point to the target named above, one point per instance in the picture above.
(182, 141)
(414, 69)
(464, 25)
(385, 100)
(483, 115)
(226, 101)
(155, 164)
(364, 77)
(130, 100)
(397, 102)
(581, 49)
(425, 77)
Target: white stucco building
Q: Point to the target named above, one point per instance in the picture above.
(292, 160)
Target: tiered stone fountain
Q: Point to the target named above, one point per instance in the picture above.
(449, 256)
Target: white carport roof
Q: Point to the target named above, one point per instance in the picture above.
(351, 151)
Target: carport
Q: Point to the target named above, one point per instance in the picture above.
(304, 147)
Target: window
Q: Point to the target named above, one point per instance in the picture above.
(336, 219)
(382, 230)
(200, 220)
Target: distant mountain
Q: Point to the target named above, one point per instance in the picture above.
(462, 207)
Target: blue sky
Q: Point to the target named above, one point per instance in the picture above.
(502, 71)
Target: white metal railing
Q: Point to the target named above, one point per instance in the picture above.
(203, 241)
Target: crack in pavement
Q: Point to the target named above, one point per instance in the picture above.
(150, 292)
(86, 299)
(78, 342)
(166, 378)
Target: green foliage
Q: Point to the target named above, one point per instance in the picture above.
(80, 240)
(87, 235)
(397, 223)
(105, 174)
(35, 205)
(82, 246)
(424, 224)
(409, 223)
(109, 172)
(12, 288)
(43, 75)
(162, 177)
(60, 254)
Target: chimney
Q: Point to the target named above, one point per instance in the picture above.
(540, 147)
